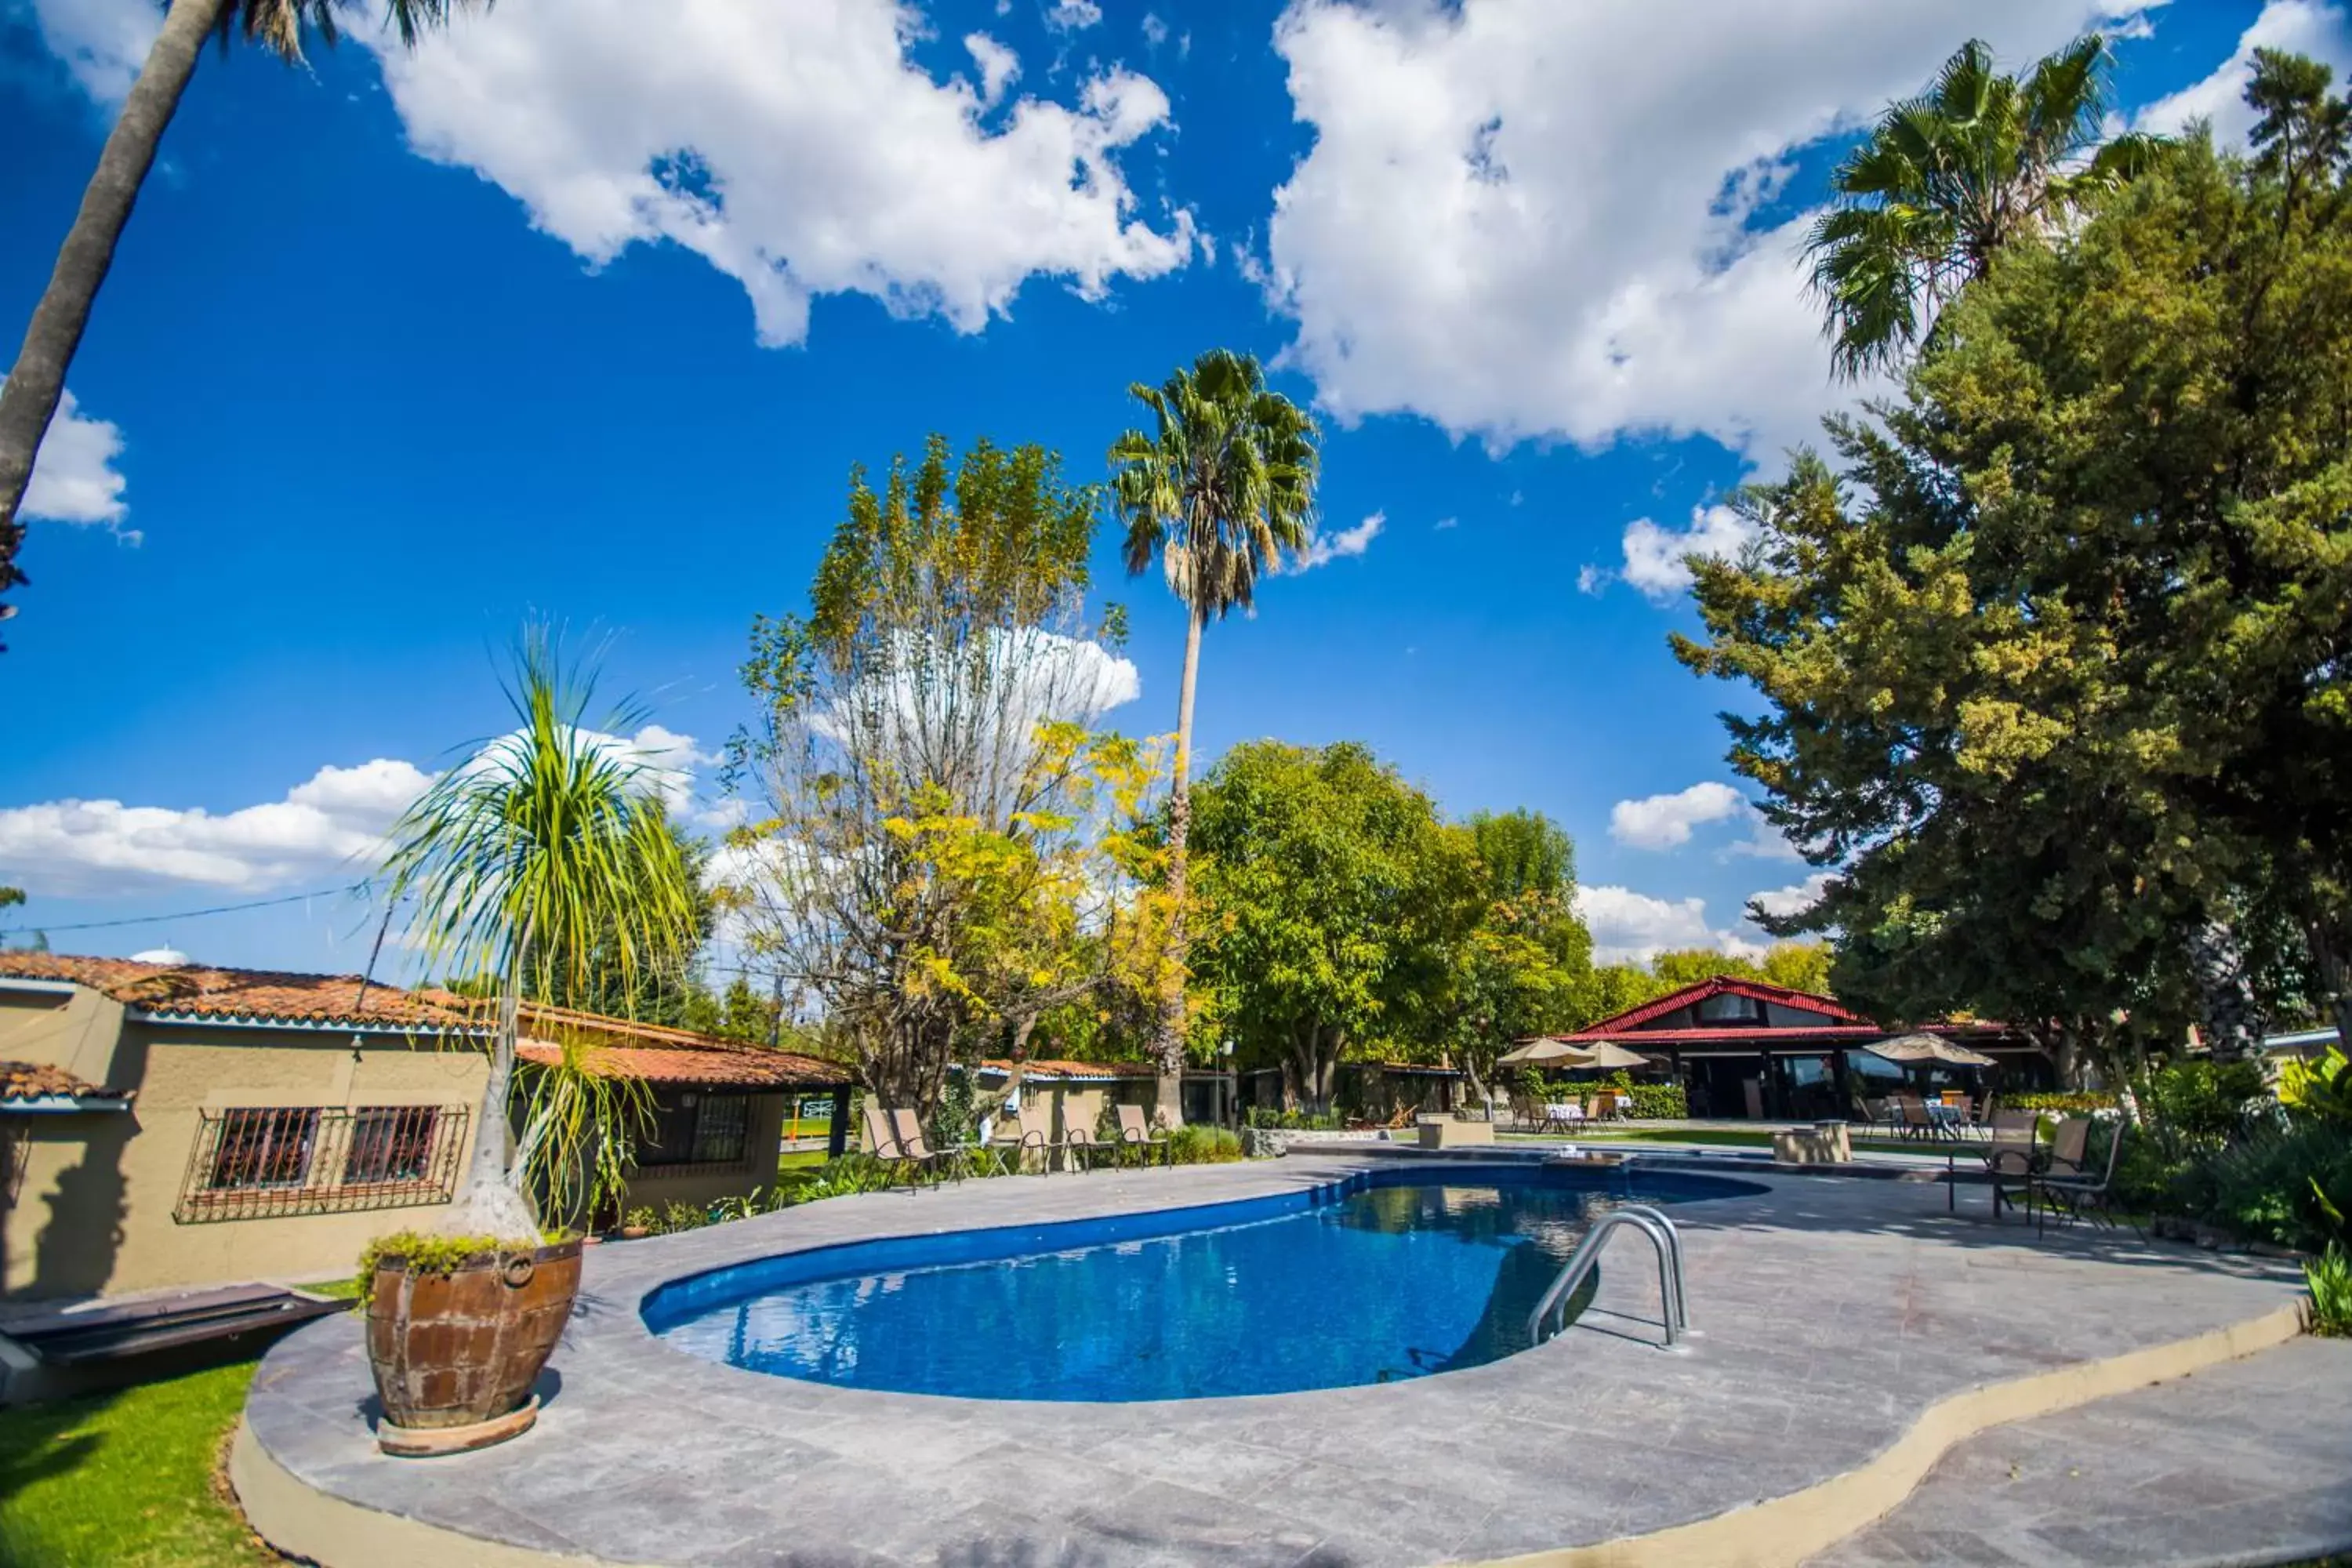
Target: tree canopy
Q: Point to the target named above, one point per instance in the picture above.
(2055, 658)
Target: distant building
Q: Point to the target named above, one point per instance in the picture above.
(1745, 1048)
(177, 1124)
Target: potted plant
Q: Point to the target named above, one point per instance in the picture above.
(544, 863)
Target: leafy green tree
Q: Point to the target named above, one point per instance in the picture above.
(1948, 179)
(1521, 969)
(1333, 898)
(545, 853)
(939, 850)
(2054, 669)
(1689, 966)
(1221, 486)
(29, 396)
(1613, 988)
(1800, 966)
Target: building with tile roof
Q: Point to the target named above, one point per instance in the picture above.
(175, 1124)
(1745, 1048)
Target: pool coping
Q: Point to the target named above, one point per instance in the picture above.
(302, 1515)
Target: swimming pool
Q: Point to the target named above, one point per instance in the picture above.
(1385, 1274)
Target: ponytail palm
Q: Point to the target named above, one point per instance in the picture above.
(1218, 489)
(1981, 161)
(550, 845)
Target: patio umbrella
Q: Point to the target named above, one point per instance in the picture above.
(1927, 1049)
(1545, 1051)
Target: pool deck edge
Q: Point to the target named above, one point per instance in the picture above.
(1780, 1532)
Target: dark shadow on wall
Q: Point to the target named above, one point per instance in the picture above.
(81, 1235)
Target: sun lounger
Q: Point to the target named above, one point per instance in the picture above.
(955, 1162)
(1135, 1133)
(1081, 1142)
(2069, 1187)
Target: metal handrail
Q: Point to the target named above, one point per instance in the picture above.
(1663, 1237)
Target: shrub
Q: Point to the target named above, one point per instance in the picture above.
(2290, 1187)
(1290, 1120)
(434, 1253)
(642, 1218)
(1659, 1100)
(1197, 1145)
(678, 1216)
(2329, 1310)
(2068, 1104)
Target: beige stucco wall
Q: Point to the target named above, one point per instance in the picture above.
(699, 1186)
(93, 1212)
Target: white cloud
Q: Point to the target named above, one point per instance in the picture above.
(2297, 27)
(1789, 901)
(1593, 580)
(1155, 31)
(793, 146)
(1656, 558)
(1322, 549)
(998, 67)
(1633, 928)
(102, 43)
(74, 476)
(1445, 524)
(1525, 219)
(1040, 677)
(1072, 15)
(1665, 821)
(330, 825)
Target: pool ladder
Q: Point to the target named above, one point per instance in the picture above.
(1664, 1237)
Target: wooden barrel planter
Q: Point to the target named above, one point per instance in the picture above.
(455, 1354)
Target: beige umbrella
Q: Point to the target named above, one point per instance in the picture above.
(1546, 1051)
(1549, 1051)
(1927, 1049)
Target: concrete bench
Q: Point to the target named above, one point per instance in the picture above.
(1445, 1132)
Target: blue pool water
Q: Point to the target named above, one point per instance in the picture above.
(1391, 1273)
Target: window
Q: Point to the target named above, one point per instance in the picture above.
(692, 1128)
(391, 1144)
(1729, 1008)
(262, 1149)
(248, 1163)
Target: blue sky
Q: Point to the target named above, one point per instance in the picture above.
(560, 317)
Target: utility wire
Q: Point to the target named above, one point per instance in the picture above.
(187, 915)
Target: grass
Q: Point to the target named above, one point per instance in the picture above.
(126, 1478)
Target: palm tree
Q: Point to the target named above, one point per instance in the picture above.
(1222, 487)
(29, 398)
(1948, 179)
(549, 845)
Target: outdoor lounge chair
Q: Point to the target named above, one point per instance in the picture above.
(955, 1162)
(1026, 1137)
(1081, 1141)
(1135, 1133)
(882, 1134)
(2069, 1149)
(2008, 1161)
(2079, 1191)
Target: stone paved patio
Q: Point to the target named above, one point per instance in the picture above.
(1834, 1310)
(2249, 1462)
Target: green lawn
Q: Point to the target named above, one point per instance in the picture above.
(125, 1479)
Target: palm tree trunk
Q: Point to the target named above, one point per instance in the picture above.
(1168, 1035)
(29, 400)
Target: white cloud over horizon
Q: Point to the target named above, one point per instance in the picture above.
(1523, 221)
(1634, 927)
(1665, 821)
(331, 825)
(74, 476)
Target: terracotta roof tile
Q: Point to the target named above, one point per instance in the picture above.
(35, 1081)
(1053, 1066)
(647, 1050)
(198, 991)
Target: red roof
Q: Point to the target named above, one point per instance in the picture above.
(648, 1051)
(1720, 985)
